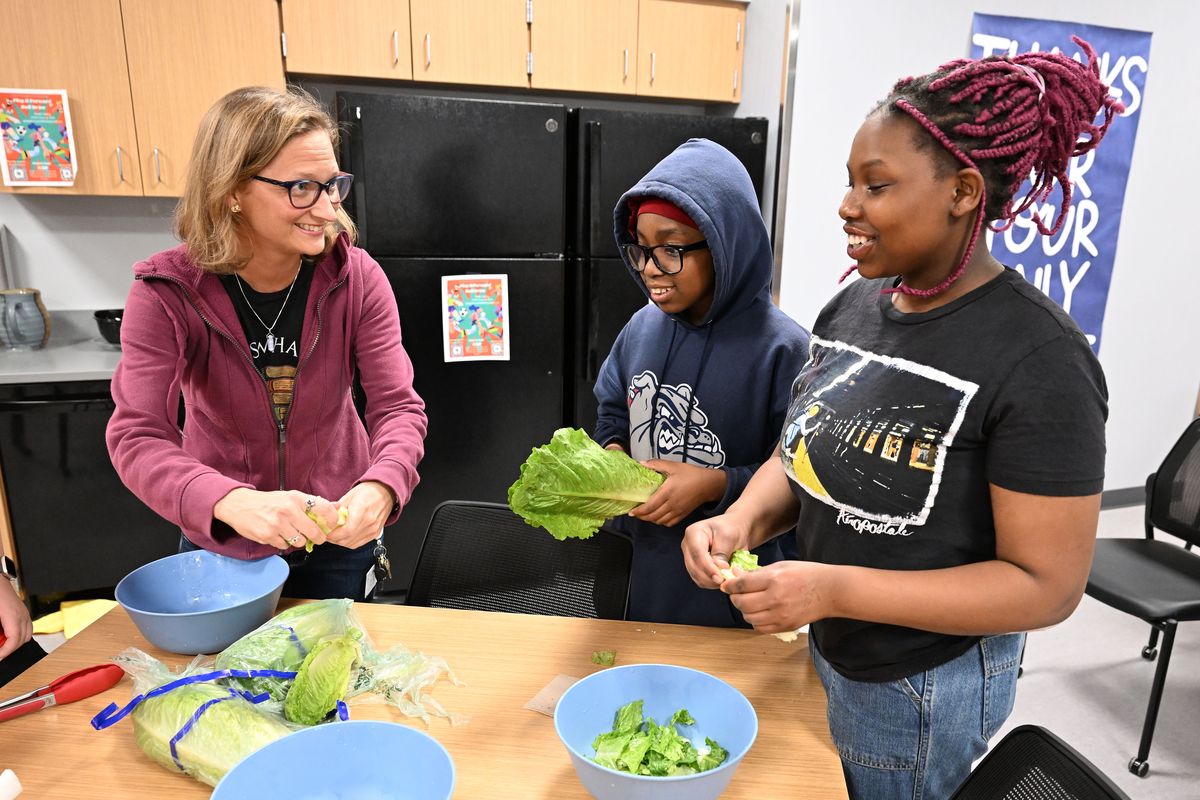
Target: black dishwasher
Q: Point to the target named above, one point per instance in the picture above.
(75, 526)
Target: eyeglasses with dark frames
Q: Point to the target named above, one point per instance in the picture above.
(305, 192)
(669, 261)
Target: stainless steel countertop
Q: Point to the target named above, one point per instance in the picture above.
(75, 352)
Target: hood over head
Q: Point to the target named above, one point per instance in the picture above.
(711, 186)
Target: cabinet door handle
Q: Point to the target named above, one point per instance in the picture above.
(735, 81)
(120, 165)
(625, 73)
(652, 65)
(428, 51)
(157, 167)
(395, 48)
(738, 38)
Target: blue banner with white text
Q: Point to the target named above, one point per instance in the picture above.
(1074, 267)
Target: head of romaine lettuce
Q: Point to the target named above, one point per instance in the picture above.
(572, 485)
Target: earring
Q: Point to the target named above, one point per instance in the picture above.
(235, 208)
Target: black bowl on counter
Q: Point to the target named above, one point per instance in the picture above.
(109, 322)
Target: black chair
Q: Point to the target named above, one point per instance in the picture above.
(1152, 579)
(1031, 763)
(482, 556)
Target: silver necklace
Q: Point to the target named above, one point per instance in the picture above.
(271, 340)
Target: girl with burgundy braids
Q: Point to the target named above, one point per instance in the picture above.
(943, 454)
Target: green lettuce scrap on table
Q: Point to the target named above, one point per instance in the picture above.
(639, 745)
(571, 486)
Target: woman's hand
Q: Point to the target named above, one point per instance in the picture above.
(709, 544)
(369, 504)
(686, 487)
(277, 519)
(782, 596)
(14, 619)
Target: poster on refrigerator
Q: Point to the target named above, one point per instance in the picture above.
(1074, 267)
(476, 318)
(35, 125)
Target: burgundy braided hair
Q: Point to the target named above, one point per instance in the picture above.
(1008, 117)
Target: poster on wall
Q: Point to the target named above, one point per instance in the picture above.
(476, 318)
(1074, 267)
(35, 125)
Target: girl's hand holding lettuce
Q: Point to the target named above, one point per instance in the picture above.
(748, 562)
(572, 485)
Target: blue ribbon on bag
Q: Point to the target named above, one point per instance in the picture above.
(110, 715)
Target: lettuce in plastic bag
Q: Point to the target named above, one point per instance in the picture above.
(225, 733)
(283, 642)
(572, 485)
(323, 680)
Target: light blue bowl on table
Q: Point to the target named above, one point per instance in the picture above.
(355, 760)
(201, 602)
(722, 714)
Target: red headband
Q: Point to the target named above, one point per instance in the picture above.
(656, 205)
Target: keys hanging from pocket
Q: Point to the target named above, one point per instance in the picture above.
(383, 567)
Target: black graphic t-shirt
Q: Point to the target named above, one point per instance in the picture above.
(899, 422)
(273, 322)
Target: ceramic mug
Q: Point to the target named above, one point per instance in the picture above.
(24, 323)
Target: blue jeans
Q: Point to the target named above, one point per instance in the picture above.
(329, 571)
(915, 738)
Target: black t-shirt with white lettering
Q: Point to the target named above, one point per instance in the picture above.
(899, 422)
(273, 322)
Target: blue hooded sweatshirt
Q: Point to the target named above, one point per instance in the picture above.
(729, 377)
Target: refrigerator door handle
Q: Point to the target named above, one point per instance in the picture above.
(593, 178)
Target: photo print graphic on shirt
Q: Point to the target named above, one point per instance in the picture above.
(656, 424)
(881, 463)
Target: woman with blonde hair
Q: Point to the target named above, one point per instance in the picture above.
(261, 319)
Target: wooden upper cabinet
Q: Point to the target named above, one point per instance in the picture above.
(585, 45)
(368, 39)
(470, 41)
(79, 48)
(183, 56)
(691, 49)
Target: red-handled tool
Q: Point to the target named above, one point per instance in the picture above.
(70, 687)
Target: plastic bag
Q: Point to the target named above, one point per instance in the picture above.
(397, 676)
(202, 729)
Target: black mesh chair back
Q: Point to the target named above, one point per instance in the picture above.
(1174, 491)
(1031, 763)
(482, 556)
(1155, 579)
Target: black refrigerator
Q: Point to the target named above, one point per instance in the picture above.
(450, 186)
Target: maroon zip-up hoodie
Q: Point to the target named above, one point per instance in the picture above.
(180, 334)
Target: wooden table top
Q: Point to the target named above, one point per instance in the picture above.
(504, 750)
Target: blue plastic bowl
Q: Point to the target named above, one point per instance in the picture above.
(344, 761)
(722, 713)
(201, 602)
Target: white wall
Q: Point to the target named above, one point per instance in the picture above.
(80, 251)
(849, 56)
(763, 56)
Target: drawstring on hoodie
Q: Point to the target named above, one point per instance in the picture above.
(687, 419)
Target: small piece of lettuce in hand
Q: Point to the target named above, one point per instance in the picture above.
(572, 485)
(643, 747)
(748, 562)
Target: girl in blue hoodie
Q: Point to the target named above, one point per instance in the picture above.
(697, 383)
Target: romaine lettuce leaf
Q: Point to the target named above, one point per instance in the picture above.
(572, 485)
(643, 747)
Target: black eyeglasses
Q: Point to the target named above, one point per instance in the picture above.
(668, 262)
(304, 193)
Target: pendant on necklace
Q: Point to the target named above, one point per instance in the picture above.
(270, 343)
